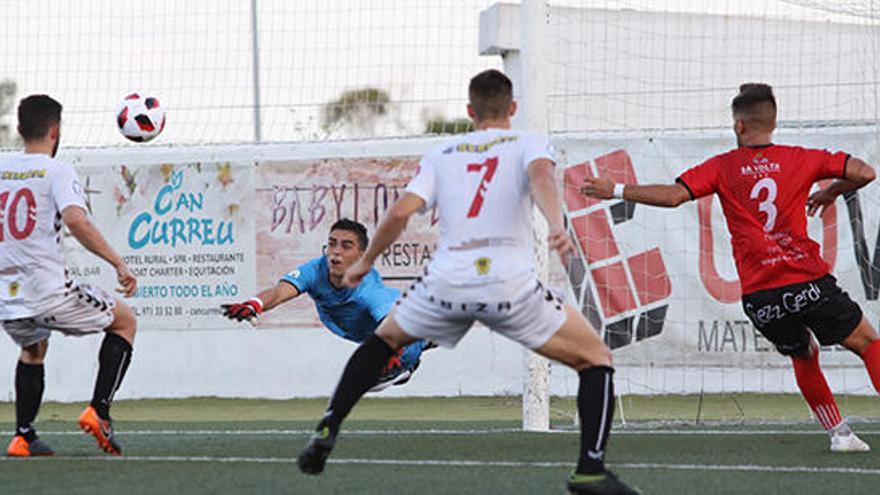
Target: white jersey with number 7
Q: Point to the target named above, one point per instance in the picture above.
(480, 186)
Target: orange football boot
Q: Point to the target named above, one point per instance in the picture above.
(101, 429)
(19, 447)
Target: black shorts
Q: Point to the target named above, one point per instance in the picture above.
(786, 315)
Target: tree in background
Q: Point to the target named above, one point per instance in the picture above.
(368, 112)
(8, 136)
(357, 112)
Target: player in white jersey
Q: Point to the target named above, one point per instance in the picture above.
(483, 185)
(38, 195)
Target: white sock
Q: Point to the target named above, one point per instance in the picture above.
(842, 429)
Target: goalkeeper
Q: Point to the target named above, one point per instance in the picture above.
(352, 314)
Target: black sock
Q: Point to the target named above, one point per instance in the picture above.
(113, 361)
(361, 373)
(596, 408)
(29, 383)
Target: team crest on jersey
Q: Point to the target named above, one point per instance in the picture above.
(483, 265)
(760, 166)
(13, 289)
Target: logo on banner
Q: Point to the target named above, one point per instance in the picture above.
(177, 217)
(624, 294)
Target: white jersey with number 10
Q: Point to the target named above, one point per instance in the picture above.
(480, 186)
(34, 190)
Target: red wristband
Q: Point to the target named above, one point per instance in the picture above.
(257, 303)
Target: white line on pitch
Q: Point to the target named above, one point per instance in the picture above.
(454, 432)
(460, 463)
(299, 432)
(751, 468)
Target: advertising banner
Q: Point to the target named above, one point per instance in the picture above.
(659, 284)
(185, 230)
(662, 284)
(297, 203)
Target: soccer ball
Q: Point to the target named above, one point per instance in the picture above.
(140, 118)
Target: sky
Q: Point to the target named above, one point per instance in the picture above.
(197, 58)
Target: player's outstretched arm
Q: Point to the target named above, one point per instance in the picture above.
(542, 183)
(666, 196)
(858, 175)
(88, 235)
(264, 301)
(389, 230)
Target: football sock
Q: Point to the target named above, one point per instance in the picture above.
(361, 373)
(842, 429)
(113, 360)
(871, 356)
(595, 402)
(814, 388)
(29, 383)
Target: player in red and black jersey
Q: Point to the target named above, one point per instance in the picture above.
(788, 292)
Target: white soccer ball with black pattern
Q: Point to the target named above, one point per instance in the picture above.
(140, 118)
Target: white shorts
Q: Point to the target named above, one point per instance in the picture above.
(82, 310)
(530, 316)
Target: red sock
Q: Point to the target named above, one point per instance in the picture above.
(871, 356)
(811, 381)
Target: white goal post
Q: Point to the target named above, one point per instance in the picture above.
(523, 51)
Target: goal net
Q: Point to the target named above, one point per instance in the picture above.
(246, 70)
(640, 91)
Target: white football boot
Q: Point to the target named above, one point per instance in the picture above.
(844, 440)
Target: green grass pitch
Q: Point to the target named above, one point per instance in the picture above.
(741, 444)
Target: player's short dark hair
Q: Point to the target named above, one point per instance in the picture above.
(755, 103)
(353, 226)
(490, 93)
(36, 114)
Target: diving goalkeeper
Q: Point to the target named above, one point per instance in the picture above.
(352, 314)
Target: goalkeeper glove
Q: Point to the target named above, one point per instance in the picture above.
(245, 311)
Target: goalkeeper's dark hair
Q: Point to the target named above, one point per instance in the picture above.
(490, 93)
(353, 226)
(755, 104)
(36, 114)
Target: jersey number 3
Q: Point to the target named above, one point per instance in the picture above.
(767, 205)
(9, 216)
(490, 165)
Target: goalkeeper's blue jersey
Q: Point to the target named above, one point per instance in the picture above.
(353, 314)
